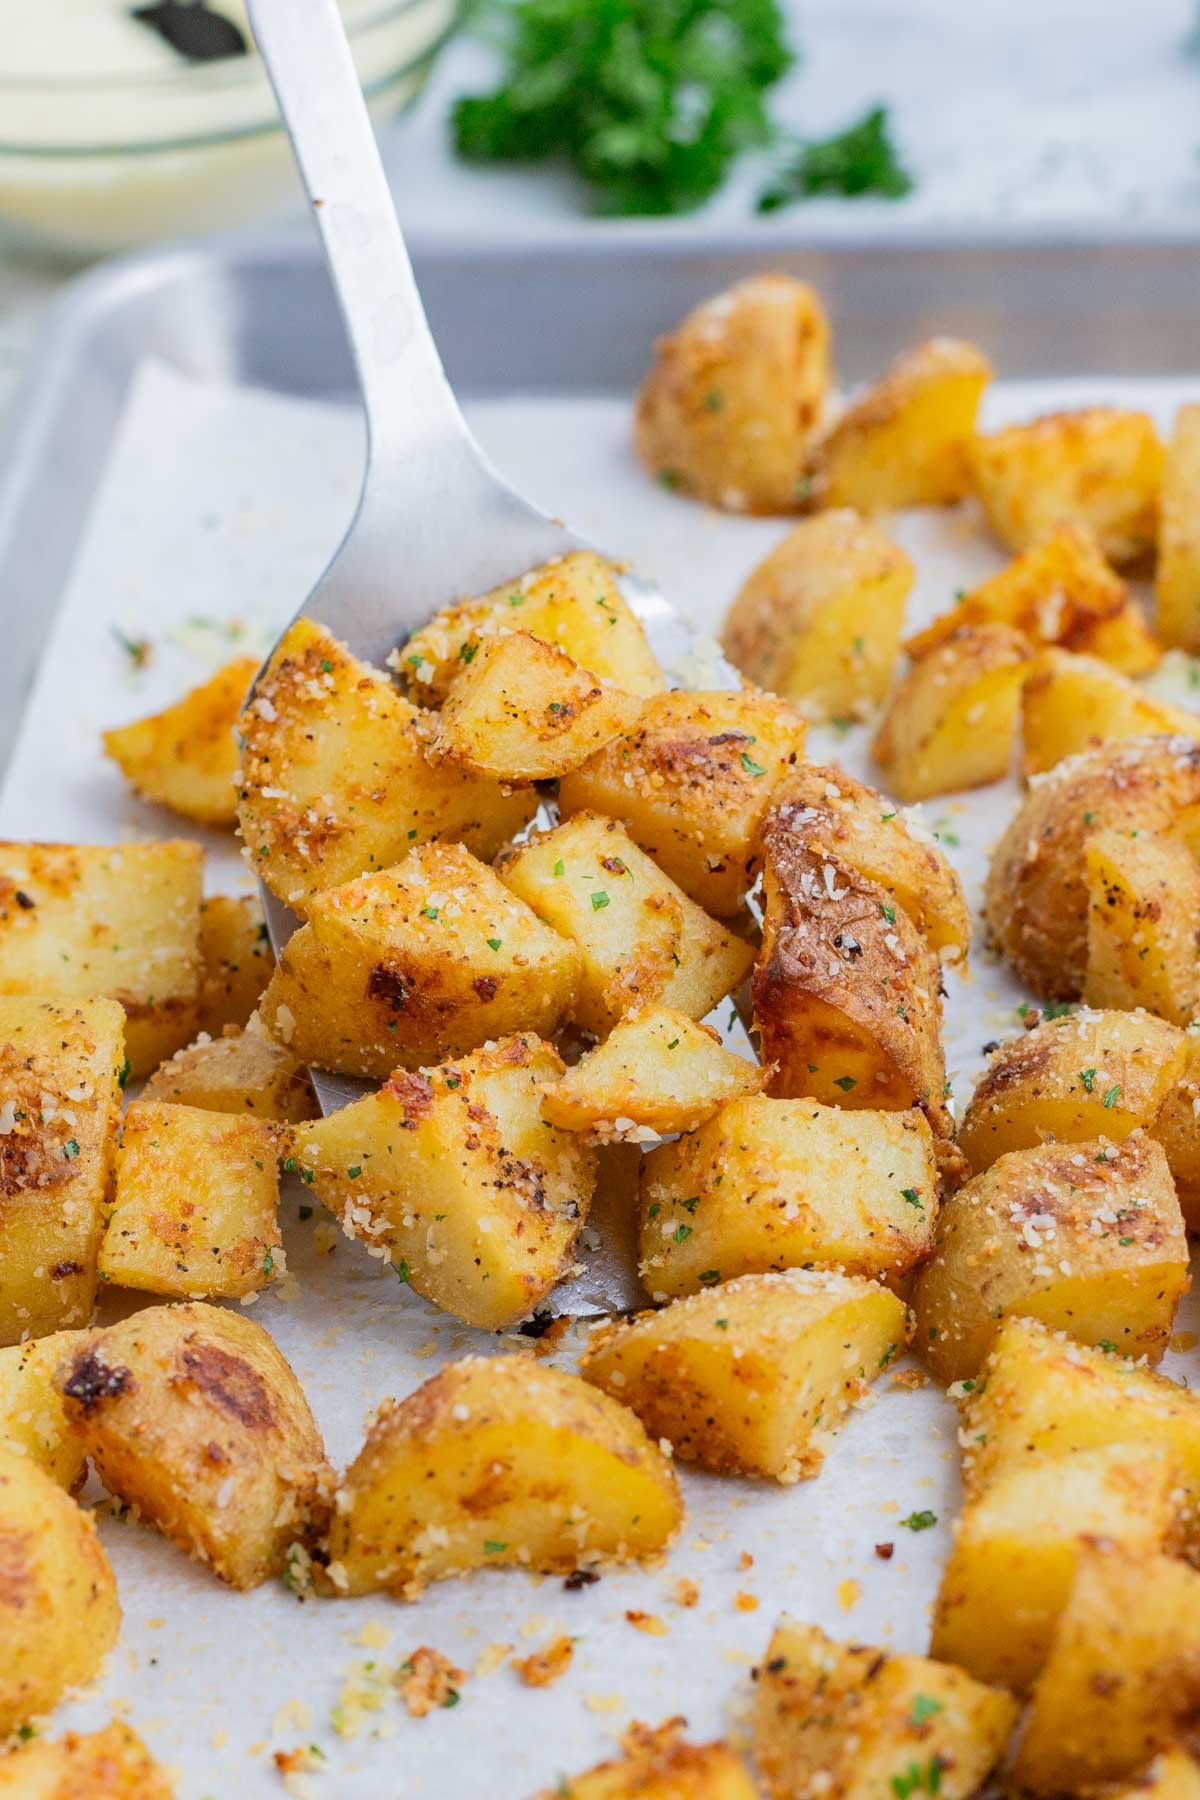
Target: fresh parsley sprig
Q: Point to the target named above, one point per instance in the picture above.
(860, 160)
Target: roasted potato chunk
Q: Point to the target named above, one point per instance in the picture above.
(78, 921)
(1036, 898)
(819, 620)
(1017, 1549)
(417, 963)
(1074, 703)
(59, 1615)
(1087, 1237)
(736, 394)
(784, 1184)
(242, 1072)
(641, 941)
(656, 1072)
(1060, 591)
(752, 1377)
(1122, 1679)
(193, 1417)
(1143, 925)
(1099, 468)
(952, 721)
(32, 1420)
(845, 1722)
(499, 1460)
(454, 1175)
(1177, 577)
(195, 1214)
(236, 958)
(1173, 1775)
(336, 779)
(845, 988)
(523, 711)
(690, 783)
(186, 757)
(1176, 1126)
(659, 1765)
(1080, 1076)
(112, 1764)
(574, 604)
(60, 1102)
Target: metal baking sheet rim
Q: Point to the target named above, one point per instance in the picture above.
(579, 314)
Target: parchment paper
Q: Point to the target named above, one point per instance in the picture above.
(216, 514)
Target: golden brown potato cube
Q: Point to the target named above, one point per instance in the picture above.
(523, 711)
(640, 940)
(414, 964)
(455, 1177)
(847, 1722)
(845, 988)
(336, 779)
(79, 921)
(784, 1184)
(574, 603)
(690, 783)
(1099, 468)
(237, 959)
(1036, 897)
(1082, 1075)
(1122, 1679)
(866, 830)
(112, 1764)
(752, 1377)
(1060, 591)
(1074, 703)
(658, 1764)
(32, 1420)
(1017, 1549)
(656, 1072)
(1086, 1237)
(192, 1416)
(196, 1208)
(186, 757)
(241, 1072)
(819, 620)
(1173, 1775)
(1143, 928)
(59, 1614)
(1177, 577)
(60, 1103)
(499, 1460)
(1176, 1126)
(904, 441)
(952, 721)
(735, 395)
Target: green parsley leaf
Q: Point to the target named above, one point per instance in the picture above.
(750, 766)
(924, 1707)
(920, 1521)
(71, 1149)
(560, 869)
(493, 943)
(599, 902)
(682, 1233)
(889, 913)
(913, 1196)
(402, 1270)
(1088, 1078)
(493, 1546)
(862, 159)
(1112, 1096)
(845, 1082)
(355, 1172)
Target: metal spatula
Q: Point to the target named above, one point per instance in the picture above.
(431, 504)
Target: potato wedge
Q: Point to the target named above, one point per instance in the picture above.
(656, 1072)
(419, 962)
(455, 1177)
(186, 757)
(59, 1614)
(192, 1416)
(195, 1213)
(60, 1104)
(1060, 591)
(1177, 577)
(640, 940)
(1087, 1237)
(1074, 703)
(752, 1377)
(336, 779)
(574, 603)
(242, 1072)
(735, 395)
(845, 989)
(952, 721)
(1143, 925)
(845, 1722)
(499, 1460)
(236, 958)
(904, 441)
(1099, 468)
(690, 783)
(32, 1420)
(80, 921)
(658, 1764)
(1017, 1549)
(784, 1184)
(819, 620)
(112, 1764)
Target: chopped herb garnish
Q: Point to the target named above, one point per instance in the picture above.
(750, 766)
(493, 943)
(1088, 1078)
(682, 1232)
(599, 901)
(431, 912)
(920, 1521)
(355, 1172)
(913, 1196)
(560, 869)
(710, 1278)
(924, 1707)
(889, 913)
(845, 1082)
(1112, 1096)
(860, 160)
(493, 1546)
(402, 1270)
(71, 1149)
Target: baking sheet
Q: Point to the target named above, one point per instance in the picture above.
(218, 508)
